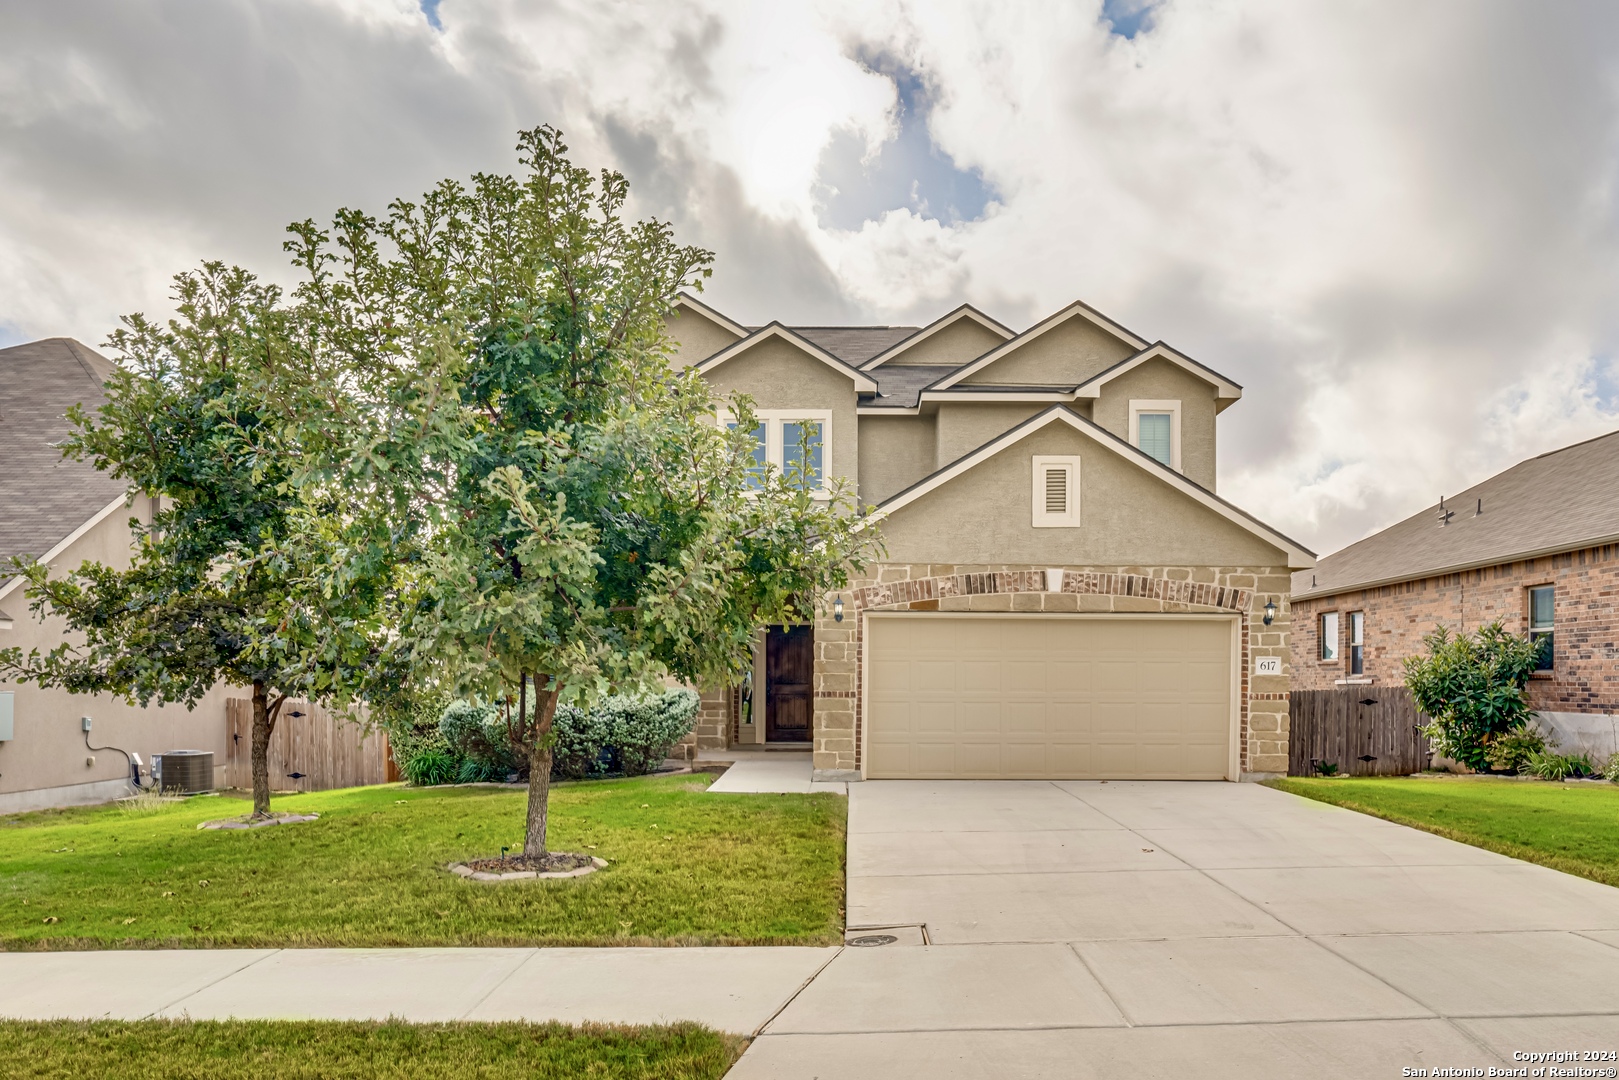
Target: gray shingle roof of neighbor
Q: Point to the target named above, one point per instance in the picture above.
(1560, 501)
(854, 344)
(44, 497)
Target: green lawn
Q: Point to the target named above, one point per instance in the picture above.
(332, 1050)
(686, 867)
(1568, 827)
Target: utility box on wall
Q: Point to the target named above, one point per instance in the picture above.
(8, 715)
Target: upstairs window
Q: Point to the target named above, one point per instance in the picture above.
(1155, 430)
(796, 441)
(756, 472)
(1056, 492)
(803, 449)
(1329, 635)
(1542, 604)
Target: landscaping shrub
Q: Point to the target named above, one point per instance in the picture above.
(620, 734)
(1508, 752)
(1472, 685)
(429, 765)
(478, 736)
(1610, 771)
(1547, 765)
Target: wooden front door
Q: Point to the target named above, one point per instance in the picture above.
(789, 683)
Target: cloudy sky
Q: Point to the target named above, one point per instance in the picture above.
(1394, 223)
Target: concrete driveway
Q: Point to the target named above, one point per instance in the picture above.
(1170, 929)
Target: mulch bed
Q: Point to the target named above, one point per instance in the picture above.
(552, 862)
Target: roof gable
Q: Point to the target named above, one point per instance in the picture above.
(1224, 388)
(691, 303)
(1298, 557)
(964, 312)
(1076, 310)
(863, 383)
(45, 496)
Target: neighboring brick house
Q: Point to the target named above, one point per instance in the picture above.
(1062, 595)
(63, 513)
(1536, 547)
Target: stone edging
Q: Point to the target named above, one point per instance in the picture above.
(280, 819)
(597, 863)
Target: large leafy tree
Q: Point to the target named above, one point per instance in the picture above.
(588, 524)
(244, 574)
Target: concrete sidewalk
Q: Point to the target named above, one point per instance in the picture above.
(736, 990)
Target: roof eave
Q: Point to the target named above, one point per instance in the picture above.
(1457, 568)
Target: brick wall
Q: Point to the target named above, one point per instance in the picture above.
(903, 586)
(1585, 676)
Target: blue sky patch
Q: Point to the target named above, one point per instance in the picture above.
(1126, 18)
(1604, 383)
(430, 9)
(908, 172)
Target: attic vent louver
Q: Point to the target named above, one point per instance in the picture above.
(1056, 492)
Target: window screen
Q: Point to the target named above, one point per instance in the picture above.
(756, 471)
(1542, 605)
(1152, 431)
(801, 452)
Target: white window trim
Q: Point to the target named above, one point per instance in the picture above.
(1039, 518)
(1149, 405)
(1337, 637)
(775, 448)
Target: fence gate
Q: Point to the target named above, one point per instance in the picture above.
(310, 749)
(1363, 730)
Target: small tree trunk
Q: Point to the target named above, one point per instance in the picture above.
(539, 767)
(263, 722)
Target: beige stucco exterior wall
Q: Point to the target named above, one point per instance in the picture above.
(963, 428)
(1127, 516)
(778, 375)
(895, 452)
(1065, 355)
(961, 341)
(695, 337)
(1160, 380)
(45, 764)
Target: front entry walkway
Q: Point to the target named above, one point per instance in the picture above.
(1162, 929)
(761, 771)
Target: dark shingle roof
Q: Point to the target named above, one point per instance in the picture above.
(43, 498)
(899, 386)
(1559, 501)
(854, 344)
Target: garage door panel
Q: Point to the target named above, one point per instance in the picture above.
(1024, 698)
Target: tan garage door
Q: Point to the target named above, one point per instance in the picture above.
(1032, 697)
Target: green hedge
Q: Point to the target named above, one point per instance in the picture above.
(618, 736)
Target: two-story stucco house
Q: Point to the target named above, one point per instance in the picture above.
(1062, 595)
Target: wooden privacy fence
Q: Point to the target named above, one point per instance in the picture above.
(324, 751)
(1364, 730)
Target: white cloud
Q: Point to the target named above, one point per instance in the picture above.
(1393, 223)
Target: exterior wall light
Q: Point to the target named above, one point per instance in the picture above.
(1270, 612)
(837, 610)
